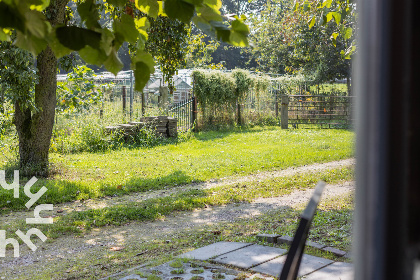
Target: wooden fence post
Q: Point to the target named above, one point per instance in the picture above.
(124, 99)
(284, 111)
(277, 103)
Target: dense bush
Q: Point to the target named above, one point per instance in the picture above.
(218, 94)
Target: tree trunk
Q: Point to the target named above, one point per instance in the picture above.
(348, 85)
(35, 128)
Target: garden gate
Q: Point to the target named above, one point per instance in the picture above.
(324, 111)
(186, 114)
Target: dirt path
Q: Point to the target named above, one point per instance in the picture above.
(138, 197)
(64, 254)
(61, 254)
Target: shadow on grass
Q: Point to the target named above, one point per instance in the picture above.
(60, 191)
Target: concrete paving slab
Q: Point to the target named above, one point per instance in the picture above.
(335, 271)
(270, 238)
(315, 245)
(335, 251)
(214, 250)
(285, 240)
(187, 270)
(250, 256)
(132, 277)
(308, 264)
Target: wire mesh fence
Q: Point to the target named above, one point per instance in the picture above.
(325, 105)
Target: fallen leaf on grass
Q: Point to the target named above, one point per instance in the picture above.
(117, 248)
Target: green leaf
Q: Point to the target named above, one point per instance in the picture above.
(76, 38)
(334, 39)
(224, 35)
(179, 9)
(142, 23)
(107, 39)
(141, 75)
(117, 3)
(11, 18)
(39, 5)
(4, 36)
(195, 2)
(58, 49)
(92, 56)
(127, 28)
(215, 4)
(30, 43)
(348, 33)
(239, 26)
(149, 7)
(238, 39)
(312, 22)
(113, 63)
(205, 26)
(36, 24)
(142, 56)
(327, 3)
(329, 16)
(337, 17)
(209, 13)
(88, 11)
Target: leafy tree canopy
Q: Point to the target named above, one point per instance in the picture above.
(287, 40)
(129, 22)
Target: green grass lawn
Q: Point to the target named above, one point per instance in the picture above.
(204, 156)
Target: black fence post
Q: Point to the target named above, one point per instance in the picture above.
(194, 113)
(284, 112)
(124, 99)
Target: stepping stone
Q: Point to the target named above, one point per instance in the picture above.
(270, 238)
(250, 256)
(315, 245)
(335, 251)
(132, 277)
(335, 271)
(307, 265)
(285, 239)
(214, 250)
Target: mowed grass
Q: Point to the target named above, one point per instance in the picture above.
(206, 155)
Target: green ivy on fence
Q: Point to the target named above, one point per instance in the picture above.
(218, 93)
